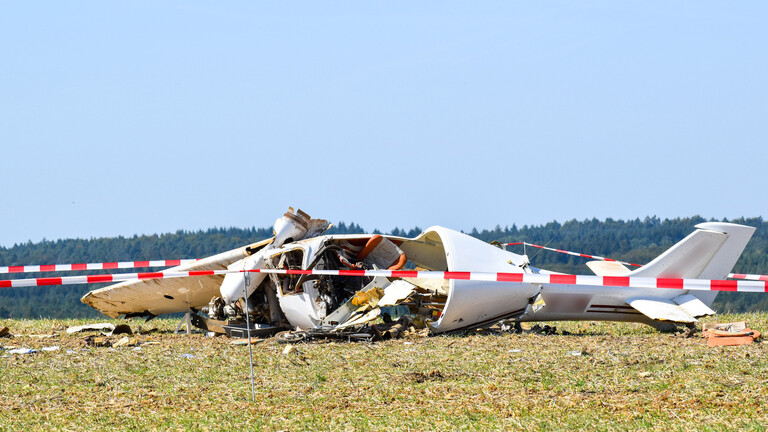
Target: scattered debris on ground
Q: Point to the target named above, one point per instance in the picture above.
(126, 341)
(729, 334)
(405, 326)
(97, 341)
(91, 327)
(100, 327)
(631, 378)
(22, 351)
(686, 332)
(244, 341)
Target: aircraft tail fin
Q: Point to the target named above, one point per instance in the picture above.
(710, 252)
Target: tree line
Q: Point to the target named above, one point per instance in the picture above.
(637, 241)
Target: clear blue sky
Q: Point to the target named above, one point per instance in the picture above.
(122, 118)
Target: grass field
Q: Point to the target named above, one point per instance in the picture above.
(603, 376)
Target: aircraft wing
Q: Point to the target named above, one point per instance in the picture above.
(160, 296)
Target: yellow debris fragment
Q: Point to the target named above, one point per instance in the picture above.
(370, 298)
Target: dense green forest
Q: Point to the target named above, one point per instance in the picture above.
(636, 241)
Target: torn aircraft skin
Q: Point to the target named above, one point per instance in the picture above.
(343, 303)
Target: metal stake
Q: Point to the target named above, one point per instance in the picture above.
(247, 281)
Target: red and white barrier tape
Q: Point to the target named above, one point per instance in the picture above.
(612, 281)
(754, 277)
(92, 266)
(172, 263)
(573, 253)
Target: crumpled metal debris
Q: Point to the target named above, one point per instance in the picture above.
(737, 326)
(112, 329)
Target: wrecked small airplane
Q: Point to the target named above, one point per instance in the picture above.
(333, 303)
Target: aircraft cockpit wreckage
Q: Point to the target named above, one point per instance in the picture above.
(291, 300)
(441, 281)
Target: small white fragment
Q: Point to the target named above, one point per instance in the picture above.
(51, 348)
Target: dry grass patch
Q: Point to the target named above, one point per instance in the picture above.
(604, 376)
